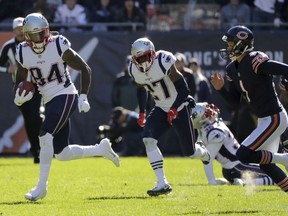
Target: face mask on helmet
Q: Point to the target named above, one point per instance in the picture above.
(204, 113)
(36, 32)
(242, 39)
(143, 54)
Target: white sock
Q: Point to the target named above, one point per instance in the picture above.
(156, 160)
(280, 158)
(260, 181)
(45, 156)
(73, 152)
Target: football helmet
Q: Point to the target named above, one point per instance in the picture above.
(243, 42)
(36, 31)
(143, 54)
(204, 113)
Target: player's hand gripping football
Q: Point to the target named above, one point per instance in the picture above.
(142, 119)
(20, 99)
(171, 115)
(83, 104)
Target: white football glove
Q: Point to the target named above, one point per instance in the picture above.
(20, 99)
(222, 181)
(83, 104)
(219, 181)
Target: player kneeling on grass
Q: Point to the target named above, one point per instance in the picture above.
(59, 93)
(222, 146)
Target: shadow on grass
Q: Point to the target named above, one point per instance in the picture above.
(258, 189)
(222, 213)
(20, 203)
(268, 189)
(120, 198)
(14, 164)
(189, 185)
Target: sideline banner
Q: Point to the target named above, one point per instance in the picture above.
(105, 52)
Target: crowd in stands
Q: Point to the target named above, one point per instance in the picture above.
(163, 15)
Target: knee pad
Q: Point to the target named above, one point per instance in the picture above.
(46, 140)
(150, 144)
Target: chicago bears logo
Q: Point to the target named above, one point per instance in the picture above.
(242, 35)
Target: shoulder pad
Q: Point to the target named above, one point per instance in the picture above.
(165, 60)
(216, 136)
(63, 40)
(166, 57)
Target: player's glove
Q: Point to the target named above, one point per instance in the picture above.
(283, 85)
(171, 115)
(142, 119)
(211, 110)
(83, 104)
(222, 181)
(20, 99)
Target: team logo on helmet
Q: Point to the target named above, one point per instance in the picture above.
(242, 35)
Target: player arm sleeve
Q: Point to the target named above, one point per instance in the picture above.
(274, 68)
(142, 96)
(180, 85)
(215, 141)
(210, 173)
(231, 95)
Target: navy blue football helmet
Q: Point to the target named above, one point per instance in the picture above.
(243, 42)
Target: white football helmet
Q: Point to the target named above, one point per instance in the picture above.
(204, 113)
(143, 54)
(36, 31)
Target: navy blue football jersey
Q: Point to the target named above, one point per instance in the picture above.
(256, 87)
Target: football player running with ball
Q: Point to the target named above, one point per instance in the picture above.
(250, 76)
(46, 56)
(155, 72)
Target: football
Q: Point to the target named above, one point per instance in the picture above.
(25, 85)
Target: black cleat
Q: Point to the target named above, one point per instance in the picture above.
(36, 160)
(156, 191)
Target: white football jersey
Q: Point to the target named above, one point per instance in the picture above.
(219, 134)
(48, 69)
(156, 80)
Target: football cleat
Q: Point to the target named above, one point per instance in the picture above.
(159, 190)
(38, 192)
(108, 153)
(36, 160)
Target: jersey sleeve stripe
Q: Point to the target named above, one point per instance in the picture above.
(160, 63)
(20, 54)
(130, 70)
(58, 47)
(258, 60)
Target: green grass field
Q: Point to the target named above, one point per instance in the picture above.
(94, 186)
